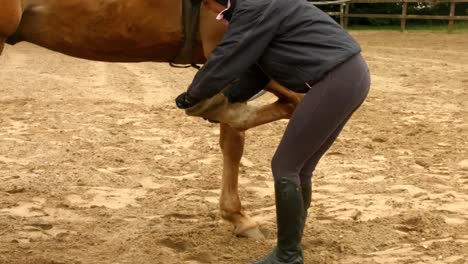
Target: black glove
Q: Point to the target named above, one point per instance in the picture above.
(181, 101)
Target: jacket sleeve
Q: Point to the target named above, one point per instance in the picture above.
(250, 31)
(249, 84)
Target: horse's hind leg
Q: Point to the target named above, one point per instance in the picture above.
(2, 44)
(10, 17)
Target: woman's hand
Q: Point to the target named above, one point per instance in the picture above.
(181, 101)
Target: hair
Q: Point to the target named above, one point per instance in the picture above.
(223, 2)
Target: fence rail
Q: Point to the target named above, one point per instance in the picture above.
(344, 14)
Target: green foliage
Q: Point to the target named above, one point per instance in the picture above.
(442, 9)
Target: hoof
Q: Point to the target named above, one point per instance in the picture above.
(251, 233)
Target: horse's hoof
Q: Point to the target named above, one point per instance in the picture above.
(252, 233)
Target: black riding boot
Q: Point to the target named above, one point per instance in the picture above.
(307, 198)
(290, 224)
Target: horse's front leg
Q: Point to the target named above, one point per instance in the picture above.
(262, 115)
(247, 117)
(232, 147)
(243, 116)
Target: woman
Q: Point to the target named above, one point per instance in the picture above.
(302, 48)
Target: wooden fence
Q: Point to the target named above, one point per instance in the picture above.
(344, 14)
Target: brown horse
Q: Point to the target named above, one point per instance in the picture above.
(145, 30)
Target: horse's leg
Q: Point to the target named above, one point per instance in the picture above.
(265, 114)
(283, 108)
(211, 32)
(284, 94)
(232, 146)
(10, 17)
(243, 116)
(2, 44)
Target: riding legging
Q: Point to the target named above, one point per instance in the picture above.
(319, 119)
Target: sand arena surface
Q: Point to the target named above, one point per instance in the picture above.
(98, 166)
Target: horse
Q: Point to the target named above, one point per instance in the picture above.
(145, 30)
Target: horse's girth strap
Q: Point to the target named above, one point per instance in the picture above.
(190, 24)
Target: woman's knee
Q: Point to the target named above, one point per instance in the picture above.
(280, 168)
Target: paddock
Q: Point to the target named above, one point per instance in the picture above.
(98, 166)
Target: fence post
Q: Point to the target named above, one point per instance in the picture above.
(346, 18)
(452, 13)
(403, 16)
(342, 15)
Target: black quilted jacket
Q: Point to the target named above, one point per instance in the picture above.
(290, 41)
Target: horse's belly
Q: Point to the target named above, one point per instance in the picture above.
(109, 30)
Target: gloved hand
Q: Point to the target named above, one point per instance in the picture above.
(181, 101)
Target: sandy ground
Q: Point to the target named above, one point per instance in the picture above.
(97, 166)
